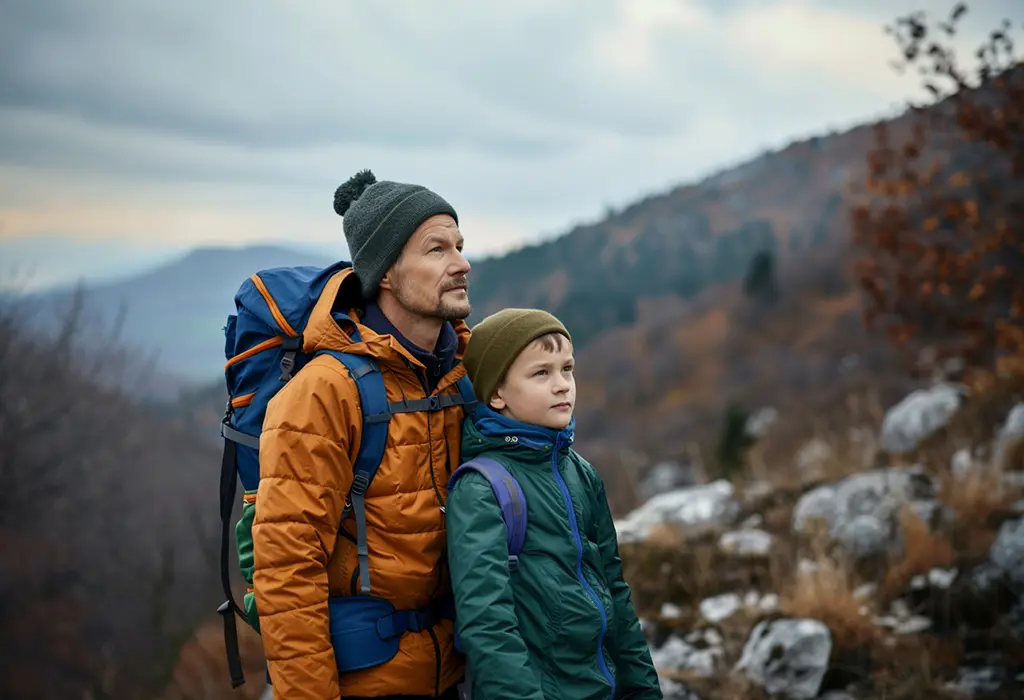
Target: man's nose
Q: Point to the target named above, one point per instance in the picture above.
(462, 266)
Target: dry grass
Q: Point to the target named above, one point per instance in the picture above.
(684, 572)
(896, 667)
(916, 667)
(827, 594)
(975, 496)
(974, 424)
(1012, 458)
(846, 422)
(923, 551)
(729, 686)
(980, 501)
(202, 673)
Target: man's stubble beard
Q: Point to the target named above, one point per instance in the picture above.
(449, 312)
(441, 310)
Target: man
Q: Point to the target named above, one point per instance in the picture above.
(402, 303)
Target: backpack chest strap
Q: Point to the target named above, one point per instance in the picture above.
(377, 412)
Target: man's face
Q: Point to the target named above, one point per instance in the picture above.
(429, 277)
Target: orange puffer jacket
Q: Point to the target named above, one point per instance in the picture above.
(310, 437)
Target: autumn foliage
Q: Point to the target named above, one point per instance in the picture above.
(942, 225)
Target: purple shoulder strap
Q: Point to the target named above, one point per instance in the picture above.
(510, 499)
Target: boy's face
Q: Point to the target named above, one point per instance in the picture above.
(539, 387)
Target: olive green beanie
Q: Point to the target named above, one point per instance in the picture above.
(497, 341)
(379, 219)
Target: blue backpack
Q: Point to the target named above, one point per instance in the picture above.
(510, 497)
(264, 349)
(511, 500)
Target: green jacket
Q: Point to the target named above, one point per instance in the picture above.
(561, 625)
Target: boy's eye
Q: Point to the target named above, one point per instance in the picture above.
(540, 372)
(567, 368)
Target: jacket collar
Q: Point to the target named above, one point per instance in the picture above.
(499, 429)
(437, 362)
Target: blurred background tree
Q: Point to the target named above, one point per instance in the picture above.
(941, 228)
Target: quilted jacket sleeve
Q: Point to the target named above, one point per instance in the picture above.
(484, 604)
(305, 473)
(636, 675)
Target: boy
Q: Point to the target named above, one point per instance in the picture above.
(561, 624)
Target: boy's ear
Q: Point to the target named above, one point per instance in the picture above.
(496, 402)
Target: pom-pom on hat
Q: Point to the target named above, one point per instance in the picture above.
(379, 218)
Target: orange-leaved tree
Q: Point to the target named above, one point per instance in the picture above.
(942, 225)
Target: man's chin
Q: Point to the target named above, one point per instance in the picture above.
(455, 312)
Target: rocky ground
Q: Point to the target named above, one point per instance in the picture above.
(902, 581)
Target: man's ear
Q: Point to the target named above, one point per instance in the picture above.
(390, 279)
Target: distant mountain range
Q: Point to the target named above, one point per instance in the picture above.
(177, 310)
(43, 262)
(668, 249)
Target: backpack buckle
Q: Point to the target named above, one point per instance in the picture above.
(513, 562)
(397, 623)
(291, 345)
(287, 366)
(414, 621)
(360, 482)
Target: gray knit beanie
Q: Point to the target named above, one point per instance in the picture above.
(379, 218)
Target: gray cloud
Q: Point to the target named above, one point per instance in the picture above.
(264, 75)
(528, 115)
(536, 59)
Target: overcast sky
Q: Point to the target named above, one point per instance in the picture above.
(133, 128)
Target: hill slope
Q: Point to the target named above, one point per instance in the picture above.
(683, 241)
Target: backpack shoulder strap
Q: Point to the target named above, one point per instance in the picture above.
(510, 497)
(376, 417)
(466, 396)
